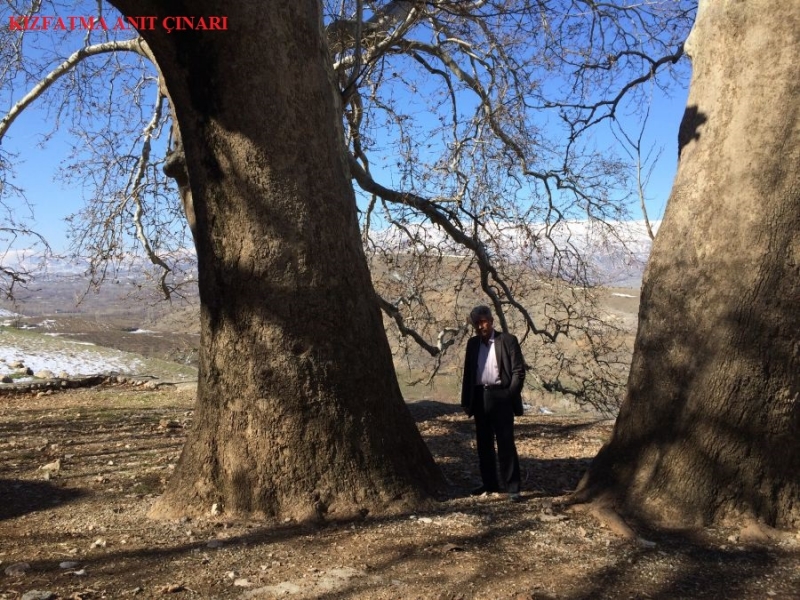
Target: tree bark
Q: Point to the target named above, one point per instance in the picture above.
(298, 413)
(710, 429)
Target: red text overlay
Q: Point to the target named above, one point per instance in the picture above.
(142, 23)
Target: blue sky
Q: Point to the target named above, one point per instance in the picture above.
(38, 166)
(36, 170)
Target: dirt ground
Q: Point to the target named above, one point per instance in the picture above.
(79, 470)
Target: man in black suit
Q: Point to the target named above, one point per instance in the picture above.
(491, 392)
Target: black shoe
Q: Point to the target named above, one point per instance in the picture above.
(482, 489)
(515, 497)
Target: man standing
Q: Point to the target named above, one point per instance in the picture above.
(491, 392)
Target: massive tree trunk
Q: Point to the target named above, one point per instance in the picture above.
(298, 413)
(710, 429)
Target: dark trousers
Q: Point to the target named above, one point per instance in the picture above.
(496, 423)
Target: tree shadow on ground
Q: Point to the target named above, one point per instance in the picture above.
(453, 444)
(548, 477)
(458, 537)
(427, 410)
(697, 569)
(19, 497)
(678, 566)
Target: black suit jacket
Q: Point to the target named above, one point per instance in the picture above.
(510, 363)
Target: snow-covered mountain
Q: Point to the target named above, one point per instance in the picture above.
(53, 266)
(615, 253)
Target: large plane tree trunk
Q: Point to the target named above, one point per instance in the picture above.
(298, 413)
(710, 429)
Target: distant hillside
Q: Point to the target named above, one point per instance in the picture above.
(614, 254)
(127, 314)
(616, 259)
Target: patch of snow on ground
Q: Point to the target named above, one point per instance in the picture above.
(8, 313)
(82, 362)
(622, 295)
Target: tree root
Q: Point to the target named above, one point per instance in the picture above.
(607, 516)
(754, 531)
(603, 510)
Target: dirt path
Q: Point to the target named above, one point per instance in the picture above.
(79, 469)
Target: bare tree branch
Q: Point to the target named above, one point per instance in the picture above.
(480, 114)
(132, 45)
(136, 195)
(633, 147)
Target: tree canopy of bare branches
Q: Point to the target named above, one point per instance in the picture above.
(476, 135)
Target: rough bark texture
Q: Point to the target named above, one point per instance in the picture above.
(710, 429)
(298, 412)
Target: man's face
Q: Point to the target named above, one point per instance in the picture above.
(483, 327)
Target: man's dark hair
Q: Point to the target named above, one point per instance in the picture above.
(480, 312)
